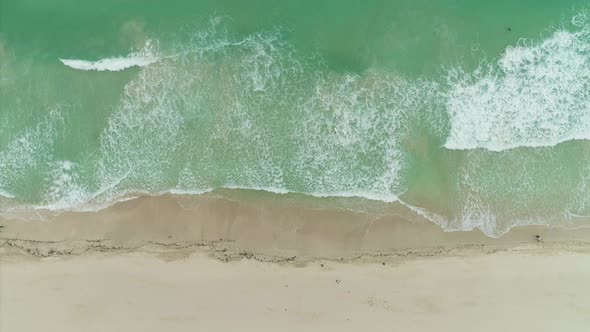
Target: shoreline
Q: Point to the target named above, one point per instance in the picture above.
(263, 227)
(348, 202)
(180, 264)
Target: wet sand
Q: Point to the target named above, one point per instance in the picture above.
(216, 264)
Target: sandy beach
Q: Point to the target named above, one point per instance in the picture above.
(222, 265)
(270, 166)
(152, 291)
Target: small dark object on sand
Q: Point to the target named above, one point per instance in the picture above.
(383, 263)
(538, 238)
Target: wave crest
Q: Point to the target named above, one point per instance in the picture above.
(137, 59)
(535, 95)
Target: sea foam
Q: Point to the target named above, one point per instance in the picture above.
(250, 113)
(6, 194)
(536, 94)
(227, 110)
(142, 58)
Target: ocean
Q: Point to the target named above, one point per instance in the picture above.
(471, 114)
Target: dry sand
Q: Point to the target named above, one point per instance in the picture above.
(210, 264)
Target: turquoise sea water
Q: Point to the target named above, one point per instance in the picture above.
(472, 114)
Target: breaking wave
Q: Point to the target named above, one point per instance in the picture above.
(138, 59)
(537, 94)
(252, 113)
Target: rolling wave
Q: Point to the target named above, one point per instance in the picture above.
(138, 59)
(535, 95)
(252, 113)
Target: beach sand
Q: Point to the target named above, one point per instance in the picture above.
(172, 263)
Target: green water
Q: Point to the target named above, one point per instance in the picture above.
(471, 113)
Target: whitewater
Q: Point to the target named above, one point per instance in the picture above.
(502, 144)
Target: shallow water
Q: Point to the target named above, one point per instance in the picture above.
(472, 114)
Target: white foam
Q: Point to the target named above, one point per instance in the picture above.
(27, 151)
(341, 194)
(6, 194)
(357, 194)
(242, 89)
(136, 59)
(177, 191)
(349, 119)
(345, 133)
(537, 94)
(64, 188)
(473, 216)
(109, 64)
